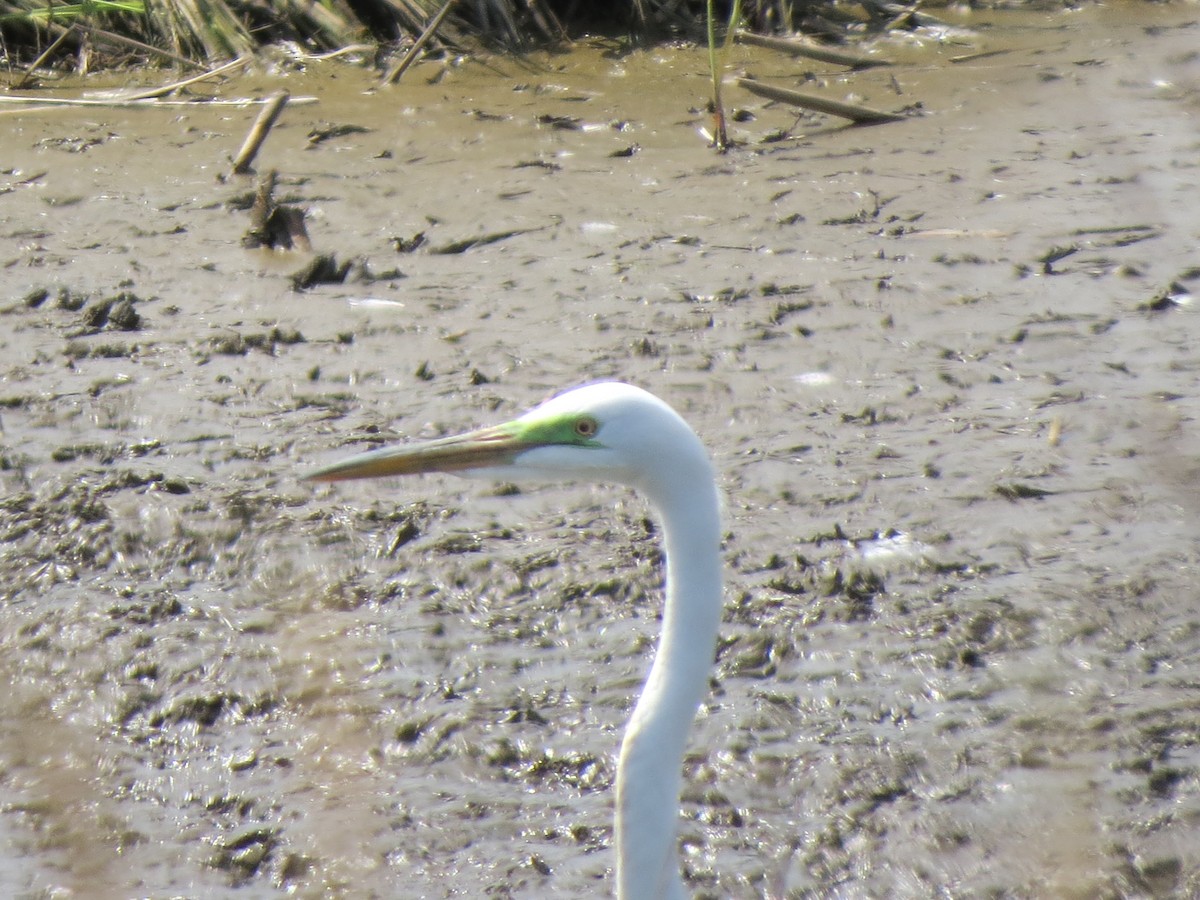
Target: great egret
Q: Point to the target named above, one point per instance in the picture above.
(618, 433)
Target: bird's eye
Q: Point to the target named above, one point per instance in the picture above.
(586, 427)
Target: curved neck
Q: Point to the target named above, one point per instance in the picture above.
(649, 771)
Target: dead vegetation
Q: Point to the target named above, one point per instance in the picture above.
(84, 36)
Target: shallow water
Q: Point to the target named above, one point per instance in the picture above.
(962, 642)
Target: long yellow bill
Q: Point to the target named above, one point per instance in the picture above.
(494, 446)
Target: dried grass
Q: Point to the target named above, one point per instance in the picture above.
(212, 30)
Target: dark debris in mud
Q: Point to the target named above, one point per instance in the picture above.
(464, 244)
(115, 312)
(237, 343)
(325, 268)
(1172, 297)
(408, 244)
(330, 131)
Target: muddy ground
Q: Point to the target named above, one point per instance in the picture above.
(947, 369)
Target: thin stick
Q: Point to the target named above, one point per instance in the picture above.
(258, 133)
(340, 51)
(857, 114)
(171, 88)
(720, 133)
(397, 70)
(146, 101)
(900, 17)
(145, 48)
(810, 50)
(25, 79)
(43, 104)
(983, 54)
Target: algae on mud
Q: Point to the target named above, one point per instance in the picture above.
(958, 655)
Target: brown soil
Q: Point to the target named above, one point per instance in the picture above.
(947, 368)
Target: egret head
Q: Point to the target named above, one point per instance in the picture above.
(601, 432)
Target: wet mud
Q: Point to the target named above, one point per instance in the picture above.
(947, 369)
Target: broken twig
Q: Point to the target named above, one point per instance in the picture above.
(399, 69)
(33, 66)
(41, 104)
(860, 115)
(115, 38)
(797, 47)
(152, 93)
(258, 133)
